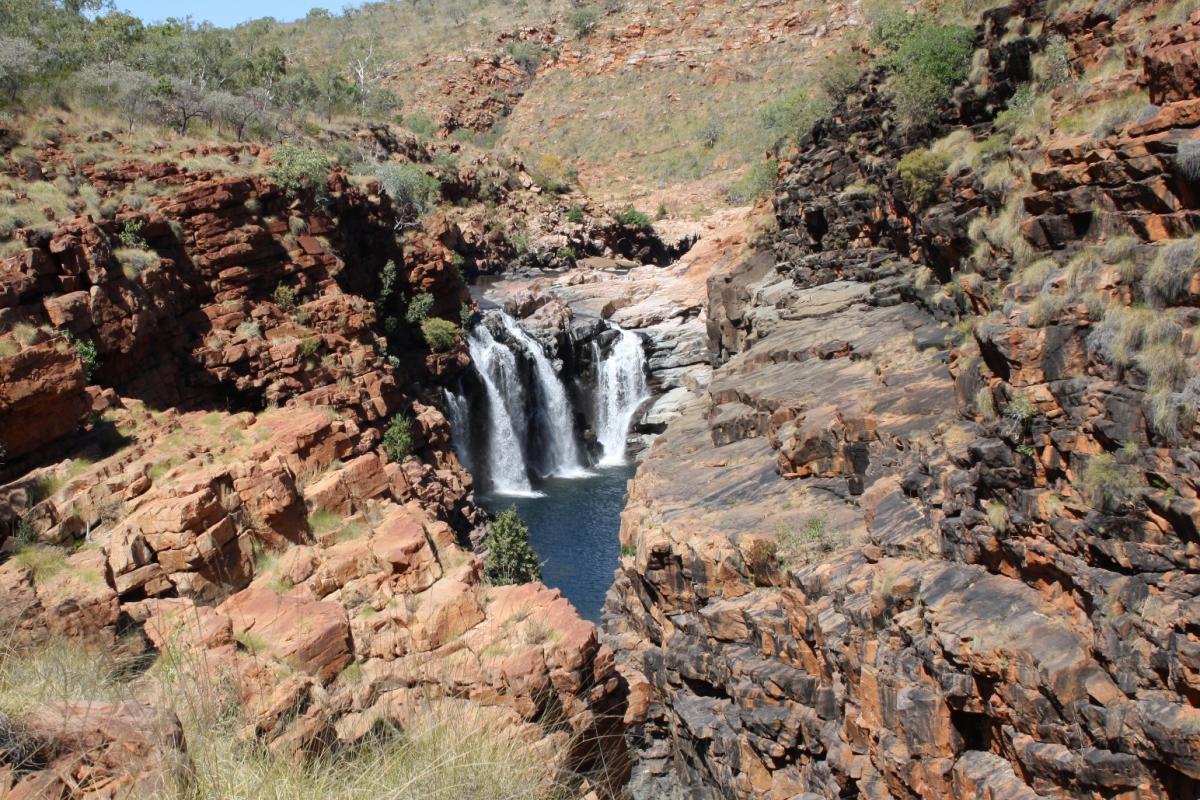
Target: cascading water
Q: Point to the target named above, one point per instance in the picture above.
(562, 452)
(514, 417)
(621, 388)
(497, 368)
(460, 431)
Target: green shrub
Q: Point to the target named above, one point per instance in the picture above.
(838, 74)
(1107, 484)
(795, 114)
(997, 514)
(440, 334)
(284, 296)
(510, 557)
(86, 350)
(409, 187)
(575, 215)
(921, 172)
(583, 20)
(928, 62)
(418, 308)
(758, 181)
(398, 440)
(131, 234)
(297, 170)
(893, 27)
(527, 54)
(419, 123)
(135, 261)
(632, 218)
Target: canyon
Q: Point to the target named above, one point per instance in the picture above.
(910, 443)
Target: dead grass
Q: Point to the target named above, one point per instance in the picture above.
(448, 749)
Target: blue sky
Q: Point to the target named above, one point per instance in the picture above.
(224, 12)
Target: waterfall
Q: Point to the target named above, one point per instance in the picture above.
(621, 388)
(460, 430)
(562, 453)
(497, 367)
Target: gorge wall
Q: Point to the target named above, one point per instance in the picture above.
(931, 531)
(201, 459)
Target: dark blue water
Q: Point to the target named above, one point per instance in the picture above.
(573, 527)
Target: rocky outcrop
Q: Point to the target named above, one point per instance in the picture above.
(212, 483)
(887, 557)
(94, 750)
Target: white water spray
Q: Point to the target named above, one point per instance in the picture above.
(562, 456)
(497, 367)
(621, 388)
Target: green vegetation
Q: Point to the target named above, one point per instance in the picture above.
(796, 547)
(583, 20)
(1107, 484)
(632, 218)
(921, 172)
(448, 748)
(398, 441)
(997, 514)
(794, 115)
(1170, 274)
(42, 560)
(131, 233)
(628, 550)
(86, 350)
(927, 60)
(440, 334)
(135, 261)
(284, 296)
(758, 181)
(418, 308)
(510, 556)
(298, 170)
(410, 189)
(250, 330)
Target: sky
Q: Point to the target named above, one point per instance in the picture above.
(224, 12)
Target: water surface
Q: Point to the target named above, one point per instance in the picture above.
(573, 526)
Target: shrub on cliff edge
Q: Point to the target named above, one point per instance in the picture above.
(920, 173)
(398, 438)
(440, 334)
(510, 556)
(297, 169)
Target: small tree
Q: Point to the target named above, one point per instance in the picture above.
(921, 172)
(510, 557)
(583, 20)
(418, 308)
(20, 62)
(117, 87)
(398, 438)
(440, 334)
(179, 102)
(409, 187)
(296, 169)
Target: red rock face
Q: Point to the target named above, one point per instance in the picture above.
(220, 486)
(873, 560)
(1171, 63)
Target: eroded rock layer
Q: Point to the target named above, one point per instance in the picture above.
(929, 532)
